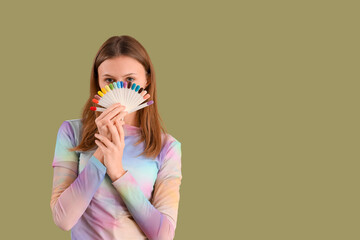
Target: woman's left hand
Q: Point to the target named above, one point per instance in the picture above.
(113, 150)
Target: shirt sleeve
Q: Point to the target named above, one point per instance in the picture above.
(157, 218)
(72, 192)
(65, 139)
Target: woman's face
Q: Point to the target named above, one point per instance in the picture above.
(122, 68)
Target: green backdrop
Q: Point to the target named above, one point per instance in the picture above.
(263, 96)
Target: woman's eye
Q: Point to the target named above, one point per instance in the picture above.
(130, 77)
(107, 79)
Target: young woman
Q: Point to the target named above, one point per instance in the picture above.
(117, 175)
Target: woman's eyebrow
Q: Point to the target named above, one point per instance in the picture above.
(113, 76)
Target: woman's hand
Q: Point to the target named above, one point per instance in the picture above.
(108, 117)
(113, 149)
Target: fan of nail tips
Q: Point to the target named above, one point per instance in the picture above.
(130, 95)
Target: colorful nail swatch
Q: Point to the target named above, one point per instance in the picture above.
(129, 94)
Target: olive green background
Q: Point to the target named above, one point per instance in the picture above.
(263, 96)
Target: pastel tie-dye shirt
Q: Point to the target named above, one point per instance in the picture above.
(141, 204)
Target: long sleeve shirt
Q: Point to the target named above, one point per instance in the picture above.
(141, 204)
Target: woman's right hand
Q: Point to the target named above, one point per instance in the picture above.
(107, 117)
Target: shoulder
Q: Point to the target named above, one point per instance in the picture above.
(72, 129)
(75, 124)
(169, 140)
(170, 146)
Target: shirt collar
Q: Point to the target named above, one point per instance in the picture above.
(130, 130)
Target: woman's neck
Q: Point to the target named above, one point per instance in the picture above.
(131, 119)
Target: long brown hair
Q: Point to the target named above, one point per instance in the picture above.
(151, 124)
